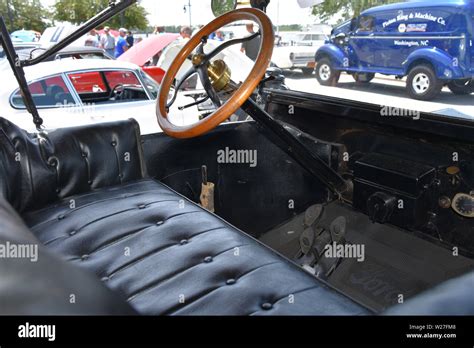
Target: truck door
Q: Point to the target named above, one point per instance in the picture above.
(362, 42)
(471, 41)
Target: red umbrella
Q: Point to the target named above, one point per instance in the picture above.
(143, 51)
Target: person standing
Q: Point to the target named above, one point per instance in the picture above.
(91, 39)
(186, 33)
(130, 39)
(251, 48)
(107, 42)
(122, 45)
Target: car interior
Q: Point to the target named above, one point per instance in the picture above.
(236, 219)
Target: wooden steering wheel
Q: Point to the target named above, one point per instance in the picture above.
(201, 66)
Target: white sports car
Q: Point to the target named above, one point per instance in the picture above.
(298, 50)
(77, 92)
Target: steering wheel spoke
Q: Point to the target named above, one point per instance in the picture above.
(229, 43)
(183, 79)
(206, 83)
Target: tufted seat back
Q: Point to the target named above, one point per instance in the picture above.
(39, 169)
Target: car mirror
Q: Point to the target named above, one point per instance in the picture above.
(219, 7)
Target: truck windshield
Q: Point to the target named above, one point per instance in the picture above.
(414, 54)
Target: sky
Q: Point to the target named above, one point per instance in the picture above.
(170, 12)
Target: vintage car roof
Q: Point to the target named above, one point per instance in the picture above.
(142, 52)
(58, 67)
(67, 65)
(416, 4)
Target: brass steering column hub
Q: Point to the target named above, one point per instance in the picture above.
(220, 74)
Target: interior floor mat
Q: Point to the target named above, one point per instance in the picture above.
(395, 264)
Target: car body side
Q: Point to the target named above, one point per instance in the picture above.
(438, 34)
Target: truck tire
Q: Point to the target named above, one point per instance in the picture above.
(422, 83)
(363, 77)
(325, 73)
(307, 71)
(461, 87)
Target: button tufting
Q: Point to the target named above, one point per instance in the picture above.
(105, 279)
(208, 259)
(84, 154)
(120, 176)
(84, 257)
(184, 242)
(58, 190)
(160, 223)
(72, 233)
(142, 206)
(230, 282)
(89, 182)
(61, 217)
(267, 306)
(113, 143)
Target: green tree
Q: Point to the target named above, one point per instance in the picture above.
(24, 14)
(290, 27)
(347, 8)
(79, 11)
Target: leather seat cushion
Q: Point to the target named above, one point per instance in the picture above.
(39, 283)
(167, 255)
(39, 169)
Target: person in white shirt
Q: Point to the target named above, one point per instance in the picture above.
(107, 42)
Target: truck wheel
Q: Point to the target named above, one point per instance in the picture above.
(422, 83)
(307, 71)
(363, 77)
(325, 73)
(461, 87)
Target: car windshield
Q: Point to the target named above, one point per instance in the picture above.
(151, 85)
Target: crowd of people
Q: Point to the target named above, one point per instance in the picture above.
(115, 47)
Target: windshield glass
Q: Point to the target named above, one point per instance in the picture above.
(415, 55)
(152, 86)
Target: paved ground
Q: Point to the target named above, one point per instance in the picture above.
(384, 91)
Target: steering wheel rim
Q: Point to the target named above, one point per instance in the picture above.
(239, 96)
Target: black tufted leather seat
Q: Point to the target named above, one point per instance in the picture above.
(84, 194)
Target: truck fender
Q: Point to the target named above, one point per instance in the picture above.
(337, 56)
(445, 66)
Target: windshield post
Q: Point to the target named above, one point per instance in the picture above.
(19, 73)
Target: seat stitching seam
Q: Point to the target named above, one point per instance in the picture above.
(154, 253)
(292, 293)
(70, 211)
(117, 213)
(159, 282)
(100, 190)
(206, 293)
(139, 231)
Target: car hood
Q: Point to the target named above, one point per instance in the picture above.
(145, 50)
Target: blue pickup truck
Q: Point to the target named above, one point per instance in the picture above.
(429, 42)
